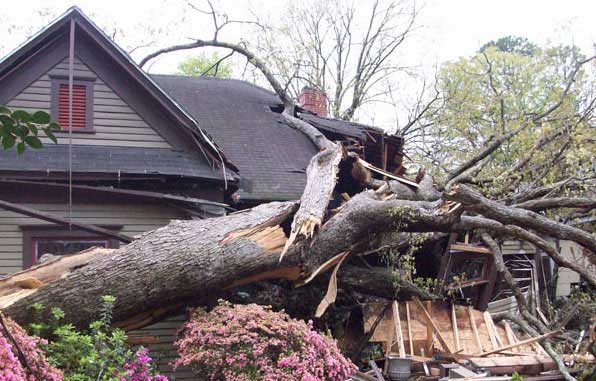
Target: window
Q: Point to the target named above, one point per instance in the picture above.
(61, 246)
(40, 240)
(82, 104)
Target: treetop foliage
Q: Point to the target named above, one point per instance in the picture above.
(512, 44)
(203, 65)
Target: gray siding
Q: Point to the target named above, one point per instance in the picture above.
(517, 247)
(163, 352)
(567, 278)
(115, 123)
(135, 219)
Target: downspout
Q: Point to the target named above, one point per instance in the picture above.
(70, 88)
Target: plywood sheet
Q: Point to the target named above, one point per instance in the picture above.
(441, 314)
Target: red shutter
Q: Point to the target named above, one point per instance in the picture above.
(79, 106)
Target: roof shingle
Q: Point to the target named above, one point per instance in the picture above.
(271, 156)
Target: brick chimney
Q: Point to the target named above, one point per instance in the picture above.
(313, 99)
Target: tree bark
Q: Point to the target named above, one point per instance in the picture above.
(474, 201)
(190, 261)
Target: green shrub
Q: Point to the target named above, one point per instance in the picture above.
(97, 354)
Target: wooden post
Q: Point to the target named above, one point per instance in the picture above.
(489, 287)
(474, 328)
(489, 328)
(428, 347)
(409, 329)
(455, 331)
(397, 328)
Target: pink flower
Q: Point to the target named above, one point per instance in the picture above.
(11, 368)
(251, 342)
(139, 368)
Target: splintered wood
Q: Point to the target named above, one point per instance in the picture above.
(453, 329)
(24, 283)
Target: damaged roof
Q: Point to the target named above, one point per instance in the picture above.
(245, 122)
(271, 156)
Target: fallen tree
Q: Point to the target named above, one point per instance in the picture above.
(193, 262)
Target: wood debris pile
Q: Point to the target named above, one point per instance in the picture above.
(442, 340)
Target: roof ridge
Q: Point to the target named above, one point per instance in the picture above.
(212, 78)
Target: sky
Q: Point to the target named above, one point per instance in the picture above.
(445, 30)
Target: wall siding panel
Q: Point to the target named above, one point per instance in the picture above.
(114, 121)
(164, 351)
(135, 219)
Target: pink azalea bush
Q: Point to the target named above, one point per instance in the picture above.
(11, 368)
(251, 342)
(139, 368)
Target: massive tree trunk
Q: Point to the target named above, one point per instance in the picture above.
(191, 261)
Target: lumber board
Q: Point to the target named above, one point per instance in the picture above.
(409, 323)
(520, 343)
(455, 331)
(398, 331)
(390, 175)
(142, 340)
(511, 339)
(489, 328)
(428, 347)
(475, 328)
(434, 327)
(469, 248)
(521, 364)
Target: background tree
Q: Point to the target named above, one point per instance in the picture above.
(513, 121)
(347, 49)
(512, 44)
(200, 65)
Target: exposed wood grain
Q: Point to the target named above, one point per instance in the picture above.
(434, 327)
(398, 331)
(455, 330)
(475, 328)
(520, 343)
(469, 248)
(489, 328)
(410, 341)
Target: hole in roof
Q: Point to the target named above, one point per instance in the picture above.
(278, 108)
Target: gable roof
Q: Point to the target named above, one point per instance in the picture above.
(56, 29)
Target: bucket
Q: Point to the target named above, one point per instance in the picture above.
(399, 368)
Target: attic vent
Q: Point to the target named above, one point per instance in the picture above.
(82, 104)
(79, 102)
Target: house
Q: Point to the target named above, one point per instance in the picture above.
(143, 150)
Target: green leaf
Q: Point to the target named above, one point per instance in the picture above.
(33, 128)
(6, 120)
(20, 148)
(41, 117)
(33, 141)
(50, 134)
(21, 115)
(7, 141)
(55, 126)
(21, 131)
(5, 110)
